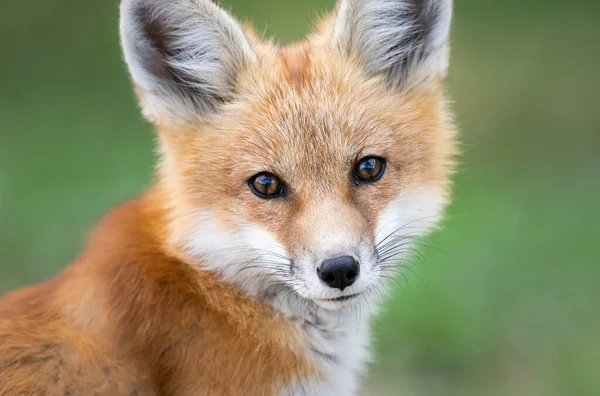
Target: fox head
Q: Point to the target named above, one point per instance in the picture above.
(308, 167)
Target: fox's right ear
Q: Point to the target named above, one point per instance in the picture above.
(184, 55)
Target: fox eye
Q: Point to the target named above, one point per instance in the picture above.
(369, 169)
(266, 185)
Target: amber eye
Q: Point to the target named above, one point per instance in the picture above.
(369, 169)
(266, 185)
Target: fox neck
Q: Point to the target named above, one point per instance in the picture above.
(338, 339)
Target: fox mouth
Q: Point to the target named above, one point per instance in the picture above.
(342, 298)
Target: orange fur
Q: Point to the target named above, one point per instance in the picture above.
(182, 331)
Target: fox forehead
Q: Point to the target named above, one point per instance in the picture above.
(305, 114)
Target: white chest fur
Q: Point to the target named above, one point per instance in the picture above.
(339, 341)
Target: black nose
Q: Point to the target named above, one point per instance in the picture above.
(339, 272)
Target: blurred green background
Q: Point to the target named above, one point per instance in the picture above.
(510, 303)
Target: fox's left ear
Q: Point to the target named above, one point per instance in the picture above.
(406, 40)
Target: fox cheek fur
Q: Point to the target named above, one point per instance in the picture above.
(290, 181)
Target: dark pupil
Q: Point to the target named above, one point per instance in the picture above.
(369, 168)
(266, 185)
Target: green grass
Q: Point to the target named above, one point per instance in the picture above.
(509, 304)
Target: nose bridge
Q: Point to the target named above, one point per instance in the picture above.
(331, 226)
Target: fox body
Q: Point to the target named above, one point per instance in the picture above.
(291, 183)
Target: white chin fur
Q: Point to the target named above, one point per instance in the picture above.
(335, 305)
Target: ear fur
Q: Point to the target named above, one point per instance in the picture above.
(183, 55)
(406, 40)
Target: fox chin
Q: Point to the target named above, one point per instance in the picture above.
(291, 185)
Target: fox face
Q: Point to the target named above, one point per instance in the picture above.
(306, 169)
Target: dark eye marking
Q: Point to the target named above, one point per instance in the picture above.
(369, 169)
(266, 185)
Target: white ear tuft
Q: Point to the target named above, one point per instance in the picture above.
(407, 40)
(183, 55)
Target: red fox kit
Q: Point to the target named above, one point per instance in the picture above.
(291, 181)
